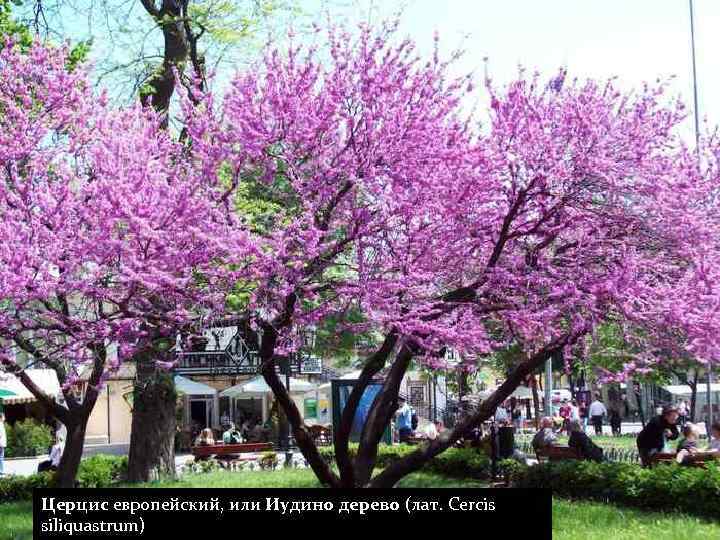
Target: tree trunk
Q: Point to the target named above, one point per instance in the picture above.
(341, 438)
(381, 412)
(302, 436)
(169, 17)
(74, 415)
(72, 453)
(154, 424)
(414, 461)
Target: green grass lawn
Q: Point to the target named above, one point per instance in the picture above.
(605, 441)
(16, 521)
(295, 478)
(582, 520)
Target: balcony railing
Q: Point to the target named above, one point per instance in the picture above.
(225, 363)
(217, 363)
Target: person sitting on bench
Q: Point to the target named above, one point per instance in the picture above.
(232, 435)
(582, 444)
(656, 433)
(688, 445)
(714, 445)
(545, 437)
(53, 461)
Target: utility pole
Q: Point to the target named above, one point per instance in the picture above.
(697, 148)
(548, 387)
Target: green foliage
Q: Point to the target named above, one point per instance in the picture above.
(665, 487)
(28, 438)
(203, 466)
(23, 37)
(79, 54)
(9, 27)
(20, 488)
(455, 462)
(333, 340)
(101, 471)
(226, 23)
(98, 471)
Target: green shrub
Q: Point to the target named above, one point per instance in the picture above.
(268, 461)
(665, 487)
(28, 438)
(15, 488)
(101, 471)
(95, 472)
(202, 466)
(456, 462)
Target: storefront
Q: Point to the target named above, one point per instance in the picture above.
(199, 404)
(18, 403)
(252, 399)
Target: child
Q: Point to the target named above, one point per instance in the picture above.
(688, 444)
(715, 441)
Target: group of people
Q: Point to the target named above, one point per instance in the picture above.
(251, 430)
(654, 437)
(570, 410)
(407, 422)
(547, 436)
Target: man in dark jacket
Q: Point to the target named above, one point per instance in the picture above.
(656, 433)
(582, 444)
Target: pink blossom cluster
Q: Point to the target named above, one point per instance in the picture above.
(574, 204)
(108, 236)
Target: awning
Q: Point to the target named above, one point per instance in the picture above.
(684, 389)
(193, 388)
(258, 387)
(13, 391)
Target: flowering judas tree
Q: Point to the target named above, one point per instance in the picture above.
(110, 245)
(560, 213)
(678, 335)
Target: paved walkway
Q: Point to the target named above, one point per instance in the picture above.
(28, 466)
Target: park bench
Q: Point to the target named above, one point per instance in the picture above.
(229, 449)
(556, 453)
(699, 459)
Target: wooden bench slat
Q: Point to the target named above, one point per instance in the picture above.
(556, 453)
(698, 459)
(228, 449)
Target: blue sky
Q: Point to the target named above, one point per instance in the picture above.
(635, 40)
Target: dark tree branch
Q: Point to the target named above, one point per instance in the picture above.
(392, 474)
(373, 365)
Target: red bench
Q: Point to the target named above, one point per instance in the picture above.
(229, 449)
(556, 453)
(698, 459)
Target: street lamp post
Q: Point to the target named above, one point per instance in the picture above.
(286, 429)
(308, 337)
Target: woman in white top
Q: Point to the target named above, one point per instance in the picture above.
(56, 452)
(715, 440)
(3, 442)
